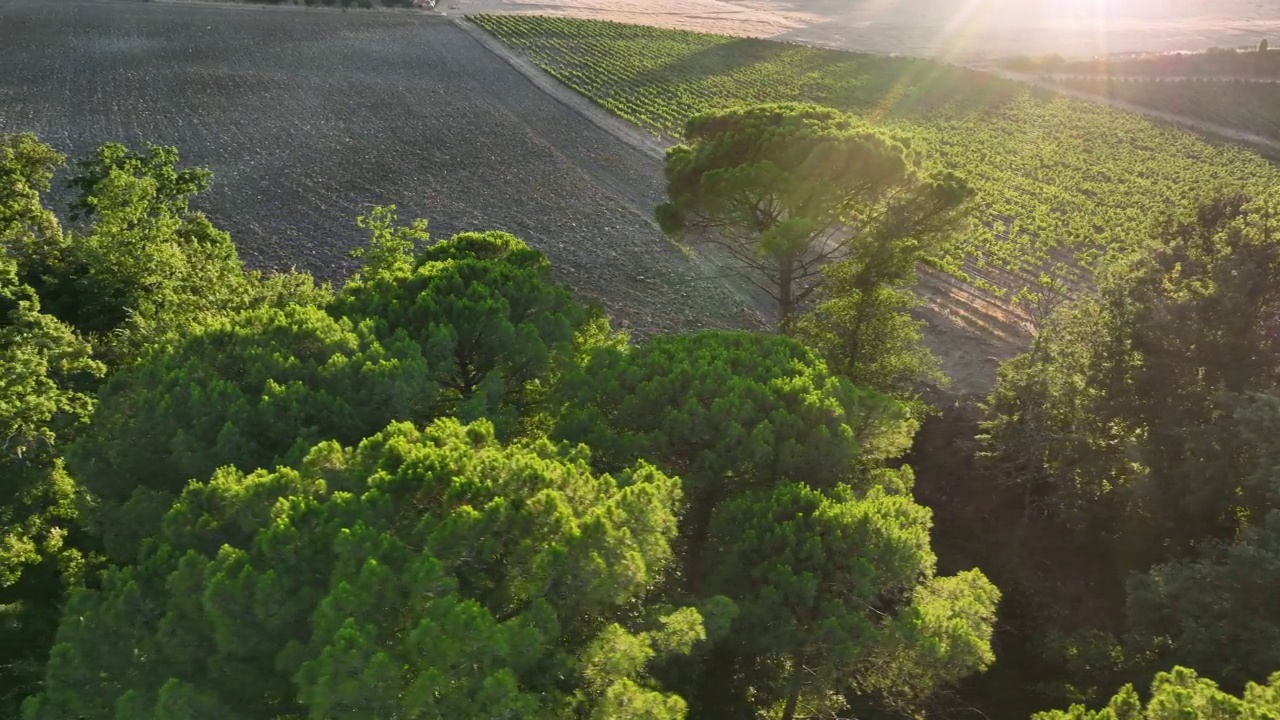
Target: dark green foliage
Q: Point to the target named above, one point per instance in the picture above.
(44, 368)
(472, 327)
(758, 429)
(1218, 610)
(728, 413)
(485, 305)
(147, 266)
(252, 391)
(1139, 434)
(426, 573)
(431, 571)
(42, 406)
(838, 595)
(1182, 695)
(141, 271)
(786, 189)
(1088, 418)
(46, 372)
(867, 334)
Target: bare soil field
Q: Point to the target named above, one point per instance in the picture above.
(958, 30)
(309, 118)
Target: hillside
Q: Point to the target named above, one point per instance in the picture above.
(1065, 173)
(960, 31)
(308, 118)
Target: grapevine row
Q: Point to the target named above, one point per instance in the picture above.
(1070, 175)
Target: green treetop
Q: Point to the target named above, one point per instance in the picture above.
(45, 369)
(141, 265)
(424, 573)
(782, 190)
(1182, 695)
(837, 596)
(484, 307)
(804, 551)
(729, 413)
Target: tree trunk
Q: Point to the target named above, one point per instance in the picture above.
(854, 351)
(700, 512)
(793, 694)
(786, 293)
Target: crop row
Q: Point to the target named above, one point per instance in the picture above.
(1070, 174)
(1251, 106)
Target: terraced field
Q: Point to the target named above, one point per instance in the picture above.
(309, 117)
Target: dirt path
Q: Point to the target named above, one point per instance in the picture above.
(1222, 131)
(307, 118)
(969, 329)
(643, 201)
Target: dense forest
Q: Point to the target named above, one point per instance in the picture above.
(448, 488)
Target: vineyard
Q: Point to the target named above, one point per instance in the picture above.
(1067, 174)
(1246, 105)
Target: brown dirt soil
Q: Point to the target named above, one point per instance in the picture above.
(308, 118)
(317, 115)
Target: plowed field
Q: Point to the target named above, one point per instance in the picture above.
(308, 118)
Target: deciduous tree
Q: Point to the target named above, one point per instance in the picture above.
(141, 265)
(1139, 436)
(1217, 610)
(44, 372)
(1089, 420)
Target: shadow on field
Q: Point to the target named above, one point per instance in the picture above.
(874, 86)
(974, 325)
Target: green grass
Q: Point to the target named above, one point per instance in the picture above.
(1067, 172)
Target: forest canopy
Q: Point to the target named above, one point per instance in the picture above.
(446, 489)
(449, 488)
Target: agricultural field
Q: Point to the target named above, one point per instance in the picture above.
(309, 118)
(1252, 106)
(1059, 174)
(970, 31)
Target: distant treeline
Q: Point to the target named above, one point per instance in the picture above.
(1254, 62)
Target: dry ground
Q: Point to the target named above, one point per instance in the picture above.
(309, 118)
(960, 30)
